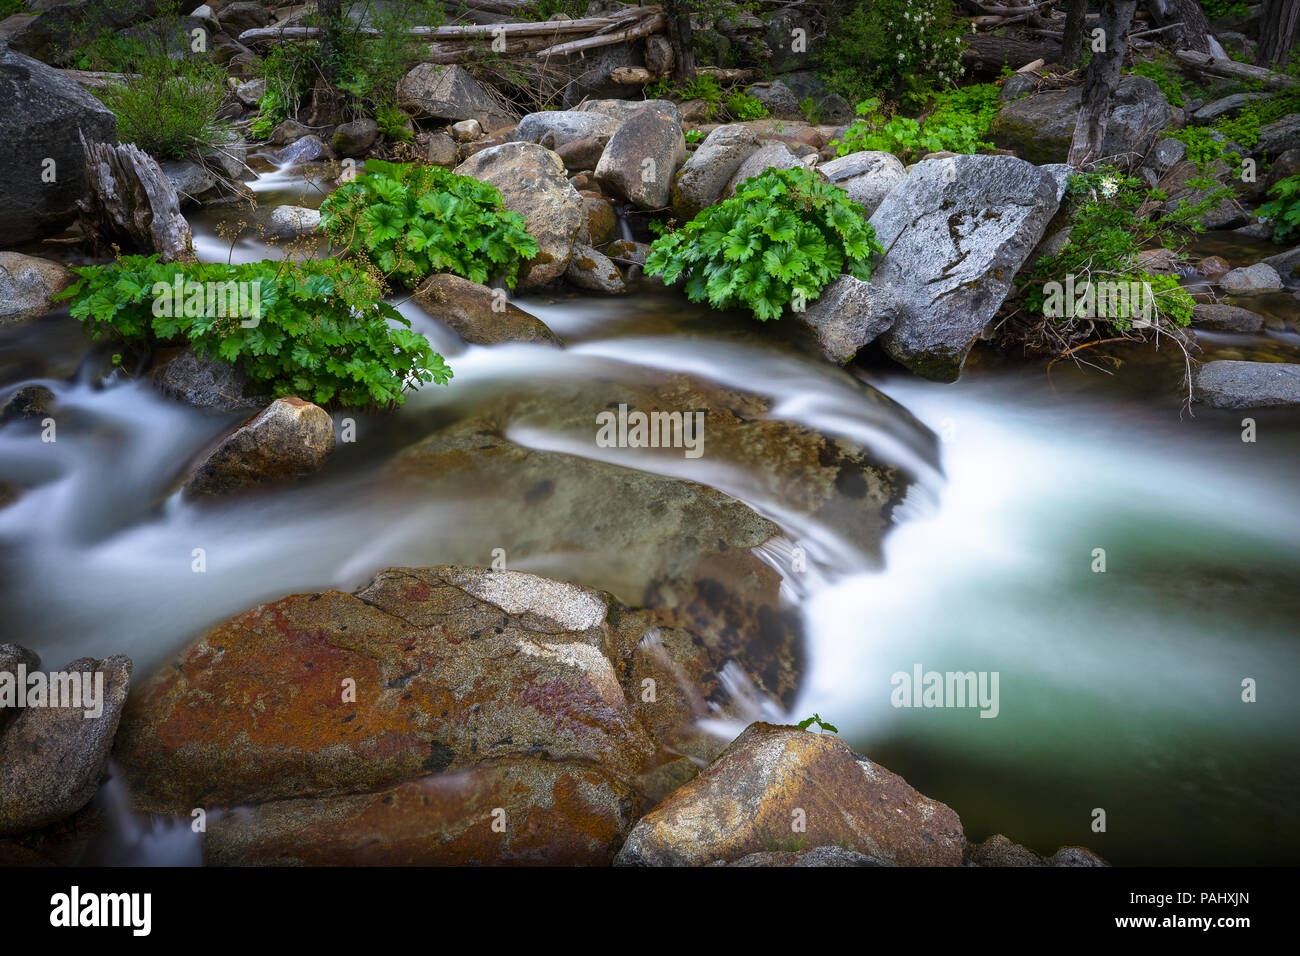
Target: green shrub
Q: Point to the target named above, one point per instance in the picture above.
(1105, 240)
(957, 122)
(412, 221)
(743, 107)
(1158, 72)
(168, 107)
(903, 48)
(701, 87)
(319, 329)
(1282, 212)
(781, 239)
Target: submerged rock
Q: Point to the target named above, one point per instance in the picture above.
(27, 401)
(205, 383)
(533, 182)
(1230, 384)
(288, 439)
(27, 286)
(770, 777)
(478, 314)
(1225, 318)
(53, 758)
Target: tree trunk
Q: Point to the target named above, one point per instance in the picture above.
(131, 203)
(1100, 81)
(1277, 32)
(1076, 17)
(679, 35)
(1194, 30)
(330, 13)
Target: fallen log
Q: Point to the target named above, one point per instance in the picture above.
(640, 76)
(646, 27)
(985, 53)
(1231, 69)
(464, 31)
(131, 203)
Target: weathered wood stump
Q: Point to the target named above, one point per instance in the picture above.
(131, 203)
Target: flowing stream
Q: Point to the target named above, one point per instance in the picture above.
(1119, 690)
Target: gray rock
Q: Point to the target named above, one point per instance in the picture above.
(1177, 185)
(1017, 85)
(306, 149)
(624, 110)
(706, 174)
(1276, 138)
(190, 180)
(955, 239)
(27, 284)
(53, 758)
(286, 440)
(1285, 263)
(43, 113)
(1075, 856)
(354, 138)
(580, 154)
(1284, 167)
(448, 93)
(1225, 106)
(844, 318)
(287, 132)
(1225, 318)
(770, 156)
(555, 128)
(779, 100)
(1227, 384)
(235, 18)
(466, 131)
(1251, 280)
(11, 655)
(593, 271)
(250, 92)
(292, 222)
(1166, 154)
(867, 176)
(1040, 127)
(442, 150)
(642, 158)
(533, 183)
(204, 383)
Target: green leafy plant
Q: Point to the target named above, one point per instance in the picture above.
(1159, 72)
(1282, 211)
(701, 87)
(781, 239)
(817, 719)
(318, 330)
(903, 48)
(412, 221)
(957, 122)
(744, 107)
(693, 136)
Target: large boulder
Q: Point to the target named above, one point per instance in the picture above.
(843, 319)
(532, 182)
(478, 314)
(778, 99)
(641, 159)
(1228, 384)
(26, 287)
(624, 110)
(956, 232)
(52, 758)
(42, 169)
(449, 93)
(773, 778)
(287, 439)
(1040, 127)
(867, 176)
(706, 174)
(424, 670)
(555, 128)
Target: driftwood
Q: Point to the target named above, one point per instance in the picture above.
(640, 76)
(132, 203)
(1217, 66)
(646, 27)
(464, 31)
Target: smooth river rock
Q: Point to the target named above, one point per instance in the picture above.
(478, 314)
(287, 439)
(1231, 384)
